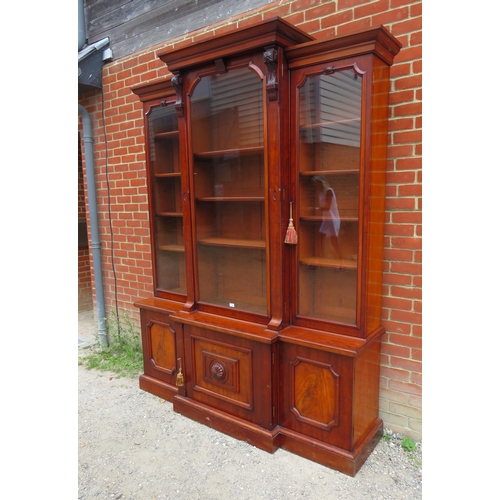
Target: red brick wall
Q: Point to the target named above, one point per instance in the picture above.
(401, 376)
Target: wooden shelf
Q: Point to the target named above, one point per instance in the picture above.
(319, 218)
(171, 248)
(313, 126)
(229, 153)
(233, 243)
(167, 135)
(231, 198)
(311, 173)
(241, 305)
(169, 214)
(331, 263)
(168, 175)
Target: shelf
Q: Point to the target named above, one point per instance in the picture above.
(310, 173)
(167, 175)
(231, 198)
(169, 214)
(332, 263)
(233, 243)
(167, 135)
(319, 218)
(314, 126)
(229, 153)
(171, 248)
(230, 305)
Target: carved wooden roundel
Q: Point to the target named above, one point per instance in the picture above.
(218, 371)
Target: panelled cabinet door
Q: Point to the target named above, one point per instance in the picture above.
(231, 375)
(160, 344)
(165, 192)
(315, 391)
(229, 176)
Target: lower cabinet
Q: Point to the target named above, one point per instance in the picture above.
(329, 402)
(318, 399)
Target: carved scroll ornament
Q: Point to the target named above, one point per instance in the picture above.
(271, 61)
(177, 84)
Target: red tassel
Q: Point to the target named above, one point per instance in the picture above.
(291, 234)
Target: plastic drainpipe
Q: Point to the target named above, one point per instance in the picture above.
(88, 143)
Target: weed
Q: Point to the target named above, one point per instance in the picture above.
(124, 354)
(408, 444)
(416, 462)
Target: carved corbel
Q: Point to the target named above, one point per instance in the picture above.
(220, 67)
(271, 61)
(177, 85)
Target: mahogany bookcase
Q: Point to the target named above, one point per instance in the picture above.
(266, 160)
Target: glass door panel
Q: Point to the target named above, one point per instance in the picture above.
(229, 184)
(166, 191)
(329, 160)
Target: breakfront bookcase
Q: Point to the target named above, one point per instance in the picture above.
(266, 158)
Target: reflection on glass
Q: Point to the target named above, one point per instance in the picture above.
(228, 159)
(330, 225)
(329, 159)
(166, 182)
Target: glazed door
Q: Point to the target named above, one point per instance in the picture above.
(165, 184)
(229, 177)
(326, 167)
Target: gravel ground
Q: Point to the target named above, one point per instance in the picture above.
(132, 445)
